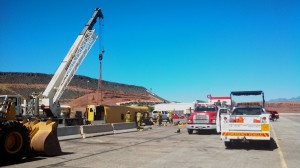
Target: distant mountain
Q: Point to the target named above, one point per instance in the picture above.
(285, 100)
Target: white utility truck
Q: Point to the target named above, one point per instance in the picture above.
(246, 121)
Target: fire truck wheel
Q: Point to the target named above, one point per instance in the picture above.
(190, 131)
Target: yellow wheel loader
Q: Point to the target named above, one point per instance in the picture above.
(19, 139)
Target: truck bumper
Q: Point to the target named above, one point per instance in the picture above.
(201, 126)
(249, 136)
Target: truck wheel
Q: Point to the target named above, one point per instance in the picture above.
(228, 144)
(14, 141)
(267, 144)
(190, 131)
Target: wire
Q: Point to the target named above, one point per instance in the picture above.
(101, 25)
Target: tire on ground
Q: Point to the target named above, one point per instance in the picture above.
(228, 144)
(14, 141)
(267, 144)
(190, 131)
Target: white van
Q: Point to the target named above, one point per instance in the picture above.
(165, 115)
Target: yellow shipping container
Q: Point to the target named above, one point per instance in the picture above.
(114, 114)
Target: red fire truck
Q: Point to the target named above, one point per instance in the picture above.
(203, 117)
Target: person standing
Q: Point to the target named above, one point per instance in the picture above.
(159, 117)
(127, 117)
(171, 117)
(139, 119)
(218, 103)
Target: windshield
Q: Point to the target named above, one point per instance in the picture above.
(205, 108)
(2, 100)
(223, 111)
(247, 111)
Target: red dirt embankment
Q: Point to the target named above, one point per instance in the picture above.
(284, 107)
(109, 98)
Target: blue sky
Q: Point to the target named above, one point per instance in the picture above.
(181, 49)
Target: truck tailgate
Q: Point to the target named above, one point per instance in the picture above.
(249, 126)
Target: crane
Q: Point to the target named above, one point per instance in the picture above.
(49, 99)
(19, 139)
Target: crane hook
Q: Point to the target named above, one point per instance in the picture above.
(101, 55)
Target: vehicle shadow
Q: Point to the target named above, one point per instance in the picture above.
(10, 163)
(254, 145)
(31, 158)
(206, 132)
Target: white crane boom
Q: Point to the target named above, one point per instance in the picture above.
(69, 65)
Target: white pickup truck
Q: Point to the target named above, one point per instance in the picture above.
(246, 122)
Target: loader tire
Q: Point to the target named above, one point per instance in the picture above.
(14, 141)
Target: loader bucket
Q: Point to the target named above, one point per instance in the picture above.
(44, 139)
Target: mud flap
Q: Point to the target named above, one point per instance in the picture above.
(44, 138)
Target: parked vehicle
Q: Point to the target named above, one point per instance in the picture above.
(274, 115)
(246, 122)
(203, 117)
(164, 115)
(177, 116)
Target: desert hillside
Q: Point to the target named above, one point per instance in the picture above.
(81, 90)
(284, 107)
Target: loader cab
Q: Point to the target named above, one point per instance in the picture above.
(16, 100)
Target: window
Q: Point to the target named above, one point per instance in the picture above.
(247, 111)
(205, 108)
(2, 100)
(223, 110)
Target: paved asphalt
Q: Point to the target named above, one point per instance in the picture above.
(162, 147)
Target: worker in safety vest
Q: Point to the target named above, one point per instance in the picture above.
(139, 119)
(171, 117)
(158, 117)
(10, 106)
(145, 118)
(127, 116)
(10, 110)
